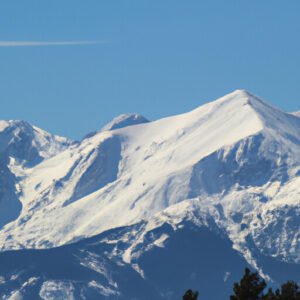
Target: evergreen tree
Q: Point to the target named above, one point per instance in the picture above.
(270, 295)
(190, 295)
(249, 288)
(290, 291)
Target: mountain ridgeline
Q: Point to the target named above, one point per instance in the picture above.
(142, 210)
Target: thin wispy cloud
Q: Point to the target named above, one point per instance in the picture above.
(36, 43)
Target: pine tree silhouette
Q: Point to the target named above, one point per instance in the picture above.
(190, 295)
(290, 291)
(250, 287)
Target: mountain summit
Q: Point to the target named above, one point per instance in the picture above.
(231, 166)
(121, 121)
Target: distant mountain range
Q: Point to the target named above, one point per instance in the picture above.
(145, 210)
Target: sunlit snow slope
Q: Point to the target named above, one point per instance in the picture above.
(235, 160)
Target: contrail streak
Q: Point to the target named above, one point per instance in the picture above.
(32, 44)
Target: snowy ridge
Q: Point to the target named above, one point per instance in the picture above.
(235, 160)
(124, 120)
(121, 121)
(296, 113)
(22, 146)
(25, 142)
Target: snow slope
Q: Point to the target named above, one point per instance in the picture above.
(29, 144)
(235, 160)
(22, 146)
(296, 113)
(121, 121)
(71, 186)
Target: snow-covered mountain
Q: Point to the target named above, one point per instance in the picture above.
(223, 178)
(121, 121)
(22, 146)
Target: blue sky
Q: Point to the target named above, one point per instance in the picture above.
(156, 58)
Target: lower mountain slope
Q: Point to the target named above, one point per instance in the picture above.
(185, 256)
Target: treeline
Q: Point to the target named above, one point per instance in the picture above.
(252, 287)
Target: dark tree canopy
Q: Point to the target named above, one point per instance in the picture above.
(251, 287)
(190, 295)
(270, 295)
(290, 291)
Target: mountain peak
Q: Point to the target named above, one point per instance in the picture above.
(242, 92)
(27, 143)
(296, 113)
(124, 120)
(241, 95)
(13, 124)
(121, 121)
